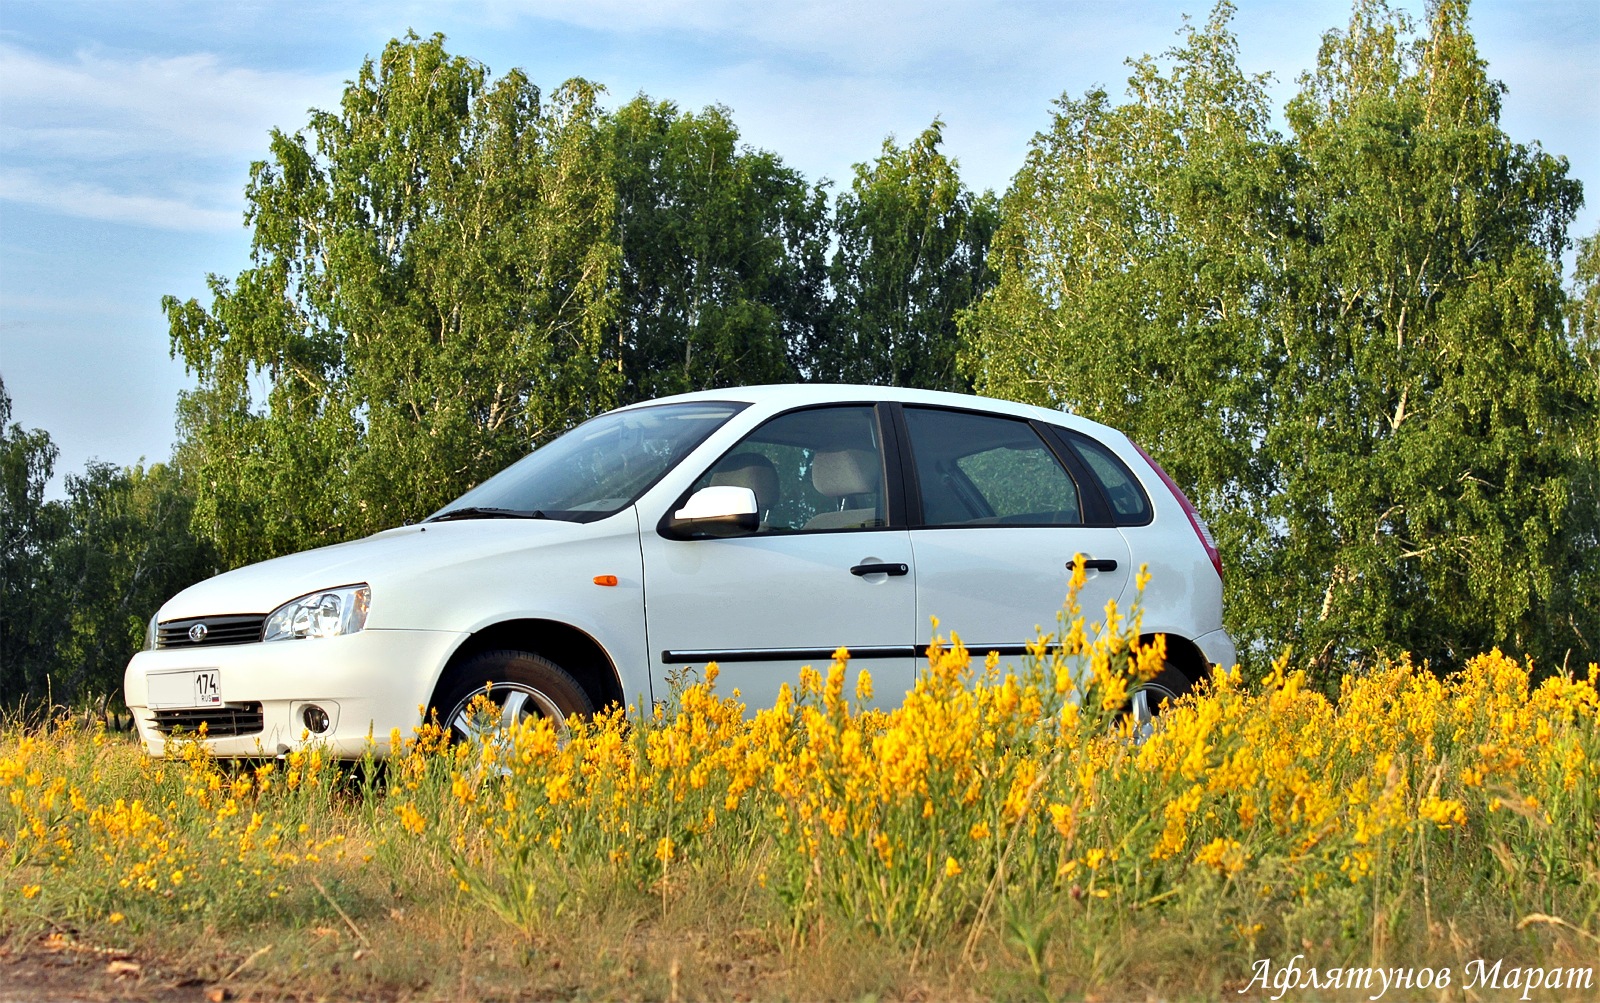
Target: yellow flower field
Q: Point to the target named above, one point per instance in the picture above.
(1005, 819)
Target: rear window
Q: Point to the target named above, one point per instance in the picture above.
(1130, 506)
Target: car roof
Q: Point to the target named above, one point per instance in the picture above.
(782, 396)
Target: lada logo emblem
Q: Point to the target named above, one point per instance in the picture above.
(198, 633)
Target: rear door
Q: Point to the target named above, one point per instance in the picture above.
(1001, 520)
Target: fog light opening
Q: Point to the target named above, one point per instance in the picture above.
(315, 718)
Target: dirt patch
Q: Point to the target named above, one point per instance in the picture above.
(57, 966)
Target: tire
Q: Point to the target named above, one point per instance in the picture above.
(1146, 702)
(520, 685)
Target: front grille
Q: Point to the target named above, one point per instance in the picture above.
(225, 721)
(244, 629)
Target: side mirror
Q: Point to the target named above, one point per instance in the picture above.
(721, 510)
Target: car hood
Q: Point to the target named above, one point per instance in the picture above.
(393, 558)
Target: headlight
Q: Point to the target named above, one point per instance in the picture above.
(150, 633)
(328, 613)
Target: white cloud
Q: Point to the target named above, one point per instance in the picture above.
(104, 105)
(883, 39)
(160, 142)
(822, 82)
(824, 125)
(90, 201)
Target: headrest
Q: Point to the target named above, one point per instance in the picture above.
(845, 472)
(749, 470)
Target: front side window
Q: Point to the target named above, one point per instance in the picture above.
(811, 470)
(982, 470)
(596, 469)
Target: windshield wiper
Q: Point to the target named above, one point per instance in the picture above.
(477, 512)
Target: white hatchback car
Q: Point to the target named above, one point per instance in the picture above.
(760, 528)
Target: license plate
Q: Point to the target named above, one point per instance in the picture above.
(195, 688)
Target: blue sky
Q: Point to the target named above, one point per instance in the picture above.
(127, 127)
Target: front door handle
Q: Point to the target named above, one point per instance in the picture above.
(880, 569)
(1091, 564)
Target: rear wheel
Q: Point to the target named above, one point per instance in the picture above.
(492, 692)
(1152, 696)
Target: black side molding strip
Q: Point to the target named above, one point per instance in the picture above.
(785, 654)
(701, 656)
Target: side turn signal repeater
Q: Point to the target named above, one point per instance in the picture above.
(605, 579)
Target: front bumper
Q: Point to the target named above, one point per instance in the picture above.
(369, 683)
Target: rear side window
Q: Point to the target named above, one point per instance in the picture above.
(980, 470)
(1130, 506)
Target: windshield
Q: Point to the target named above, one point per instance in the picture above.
(596, 469)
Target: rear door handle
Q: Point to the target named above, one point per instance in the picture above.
(880, 569)
(1091, 564)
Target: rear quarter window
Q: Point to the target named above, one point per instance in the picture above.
(1130, 506)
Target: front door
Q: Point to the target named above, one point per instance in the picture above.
(823, 571)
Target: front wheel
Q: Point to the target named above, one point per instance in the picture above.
(494, 691)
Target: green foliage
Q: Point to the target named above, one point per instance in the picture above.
(1427, 381)
(1345, 343)
(128, 549)
(80, 577)
(1583, 307)
(29, 529)
(912, 244)
(1583, 325)
(721, 253)
(431, 290)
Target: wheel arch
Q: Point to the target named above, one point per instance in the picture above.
(1183, 654)
(572, 649)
